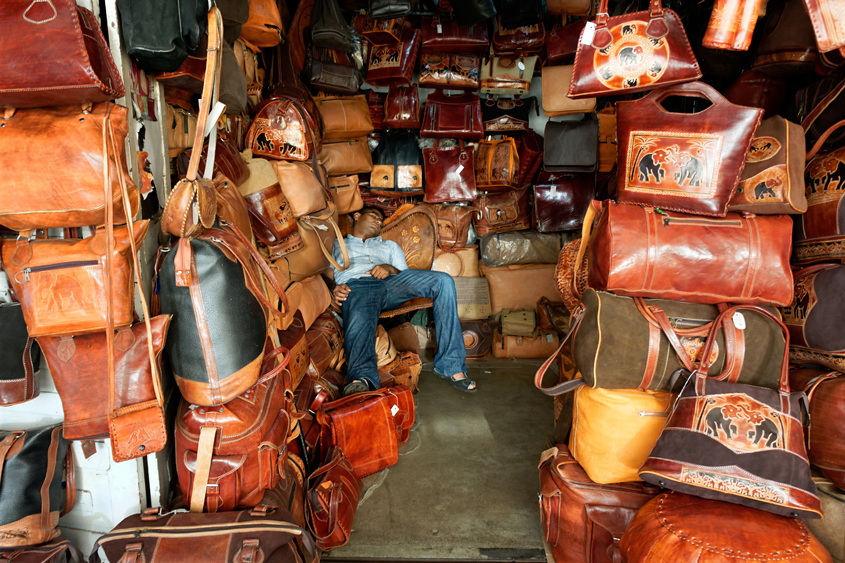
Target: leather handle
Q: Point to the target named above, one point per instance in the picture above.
(209, 89)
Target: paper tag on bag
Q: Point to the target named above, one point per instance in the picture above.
(739, 321)
(393, 410)
(588, 33)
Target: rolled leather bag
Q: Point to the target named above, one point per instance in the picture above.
(506, 346)
(641, 252)
(521, 247)
(519, 287)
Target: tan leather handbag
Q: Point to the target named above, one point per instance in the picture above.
(346, 194)
(546, 342)
(556, 81)
(302, 186)
(344, 117)
(319, 231)
(352, 156)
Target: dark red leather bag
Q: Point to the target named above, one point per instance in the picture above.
(452, 117)
(561, 201)
(639, 252)
(633, 52)
(502, 212)
(393, 65)
(332, 500)
(402, 108)
(449, 173)
(582, 520)
(443, 34)
(679, 161)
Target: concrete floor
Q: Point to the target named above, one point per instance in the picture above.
(466, 484)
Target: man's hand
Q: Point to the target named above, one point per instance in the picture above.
(339, 294)
(382, 271)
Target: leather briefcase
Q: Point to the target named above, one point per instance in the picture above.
(20, 357)
(521, 247)
(35, 463)
(506, 116)
(443, 34)
(693, 162)
(501, 212)
(556, 103)
(452, 117)
(352, 156)
(561, 201)
(393, 65)
(508, 74)
(582, 520)
(478, 338)
(332, 500)
(449, 173)
(825, 391)
(633, 52)
(673, 519)
(571, 146)
(283, 129)
(450, 71)
(402, 108)
(523, 39)
(772, 181)
(397, 165)
(344, 117)
(505, 346)
(748, 262)
(737, 443)
(453, 222)
(519, 287)
(497, 165)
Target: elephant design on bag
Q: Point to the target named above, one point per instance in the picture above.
(64, 293)
(716, 420)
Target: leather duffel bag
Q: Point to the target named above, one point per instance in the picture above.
(583, 520)
(20, 356)
(670, 255)
(655, 337)
(519, 287)
(501, 212)
(521, 247)
(539, 346)
(227, 456)
(815, 317)
(677, 527)
(34, 464)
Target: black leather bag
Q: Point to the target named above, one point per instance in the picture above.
(388, 9)
(31, 485)
(571, 146)
(159, 34)
(516, 13)
(329, 28)
(397, 165)
(19, 357)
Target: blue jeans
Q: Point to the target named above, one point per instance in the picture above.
(368, 297)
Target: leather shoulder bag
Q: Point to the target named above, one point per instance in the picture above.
(737, 443)
(402, 108)
(451, 71)
(20, 355)
(452, 117)
(393, 65)
(497, 165)
(632, 53)
(443, 34)
(397, 165)
(449, 173)
(683, 162)
(571, 146)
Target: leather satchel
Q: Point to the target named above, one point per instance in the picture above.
(571, 146)
(443, 34)
(20, 356)
(497, 165)
(346, 157)
(453, 223)
(34, 464)
(735, 442)
(507, 74)
(72, 195)
(772, 180)
(501, 212)
(556, 80)
(582, 520)
(397, 165)
(393, 65)
(507, 116)
(478, 338)
(748, 262)
(402, 108)
(332, 500)
(69, 64)
(344, 117)
(450, 71)
(452, 117)
(689, 162)
(449, 174)
(521, 247)
(633, 52)
(346, 194)
(506, 346)
(561, 201)
(283, 129)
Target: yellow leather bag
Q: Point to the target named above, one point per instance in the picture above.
(614, 430)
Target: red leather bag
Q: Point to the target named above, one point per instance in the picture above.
(332, 500)
(639, 252)
(393, 65)
(452, 117)
(633, 52)
(502, 212)
(683, 162)
(402, 108)
(443, 34)
(449, 173)
(561, 201)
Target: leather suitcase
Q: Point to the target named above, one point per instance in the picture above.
(520, 287)
(540, 346)
(582, 520)
(478, 338)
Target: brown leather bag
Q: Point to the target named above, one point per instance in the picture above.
(501, 212)
(506, 346)
(227, 456)
(70, 64)
(450, 71)
(747, 263)
(497, 165)
(772, 181)
(683, 162)
(332, 500)
(582, 520)
(449, 173)
(347, 157)
(283, 129)
(452, 117)
(402, 108)
(663, 531)
(344, 117)
(453, 222)
(611, 62)
(519, 287)
(393, 65)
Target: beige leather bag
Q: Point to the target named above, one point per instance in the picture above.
(460, 262)
(346, 194)
(181, 129)
(319, 231)
(556, 81)
(347, 157)
(344, 117)
(520, 287)
(301, 186)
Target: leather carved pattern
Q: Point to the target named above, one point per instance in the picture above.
(632, 59)
(741, 423)
(750, 488)
(675, 163)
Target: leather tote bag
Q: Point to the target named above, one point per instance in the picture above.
(402, 108)
(332, 500)
(443, 34)
(632, 52)
(344, 117)
(736, 443)
(555, 80)
(656, 337)
(747, 262)
(66, 66)
(329, 28)
(35, 464)
(561, 201)
(497, 165)
(452, 117)
(501, 212)
(397, 165)
(772, 180)
(450, 71)
(20, 356)
(683, 162)
(521, 247)
(507, 116)
(571, 146)
(449, 173)
(283, 129)
(393, 65)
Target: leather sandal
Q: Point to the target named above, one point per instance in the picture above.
(459, 384)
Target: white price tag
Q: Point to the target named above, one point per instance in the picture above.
(459, 169)
(393, 410)
(588, 33)
(739, 321)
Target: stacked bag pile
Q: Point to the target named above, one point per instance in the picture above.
(694, 317)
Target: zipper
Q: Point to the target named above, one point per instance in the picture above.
(701, 221)
(59, 266)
